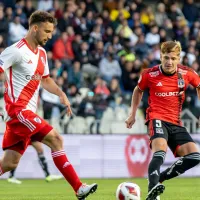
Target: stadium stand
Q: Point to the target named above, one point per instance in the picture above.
(98, 50)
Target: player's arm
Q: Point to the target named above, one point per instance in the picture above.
(136, 98)
(50, 85)
(194, 80)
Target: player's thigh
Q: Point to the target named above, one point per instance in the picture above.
(187, 148)
(37, 146)
(180, 142)
(158, 134)
(54, 140)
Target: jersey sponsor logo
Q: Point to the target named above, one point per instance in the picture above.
(159, 84)
(166, 94)
(154, 74)
(159, 131)
(38, 120)
(34, 77)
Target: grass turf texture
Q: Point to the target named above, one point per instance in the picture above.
(177, 189)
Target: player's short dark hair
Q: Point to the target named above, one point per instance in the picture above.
(41, 16)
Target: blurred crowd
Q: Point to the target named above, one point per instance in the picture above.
(99, 48)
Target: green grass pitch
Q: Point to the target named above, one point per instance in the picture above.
(177, 189)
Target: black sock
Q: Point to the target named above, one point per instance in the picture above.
(180, 166)
(12, 173)
(154, 168)
(43, 163)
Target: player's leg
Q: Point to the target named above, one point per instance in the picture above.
(55, 142)
(43, 163)
(12, 178)
(42, 160)
(12, 173)
(158, 136)
(9, 160)
(185, 148)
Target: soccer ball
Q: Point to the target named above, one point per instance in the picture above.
(128, 191)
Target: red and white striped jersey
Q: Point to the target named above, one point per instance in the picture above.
(24, 70)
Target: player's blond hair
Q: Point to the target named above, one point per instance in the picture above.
(171, 46)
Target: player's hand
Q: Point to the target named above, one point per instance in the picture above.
(130, 121)
(65, 101)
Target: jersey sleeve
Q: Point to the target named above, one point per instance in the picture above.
(9, 57)
(194, 79)
(46, 69)
(143, 81)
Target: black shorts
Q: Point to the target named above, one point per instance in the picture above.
(174, 134)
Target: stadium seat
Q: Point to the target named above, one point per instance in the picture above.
(77, 125)
(120, 114)
(89, 121)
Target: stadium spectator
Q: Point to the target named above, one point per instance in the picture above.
(147, 17)
(130, 72)
(45, 5)
(75, 74)
(115, 93)
(89, 24)
(152, 37)
(62, 49)
(4, 28)
(109, 67)
(16, 30)
(19, 12)
(86, 107)
(58, 10)
(28, 8)
(141, 48)
(9, 14)
(160, 15)
(190, 11)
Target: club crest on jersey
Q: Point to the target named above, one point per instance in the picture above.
(38, 120)
(43, 61)
(181, 83)
(154, 74)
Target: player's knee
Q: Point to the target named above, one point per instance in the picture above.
(8, 166)
(56, 141)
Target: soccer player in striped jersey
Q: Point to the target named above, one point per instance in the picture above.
(26, 68)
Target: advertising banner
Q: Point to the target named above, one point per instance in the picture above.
(100, 156)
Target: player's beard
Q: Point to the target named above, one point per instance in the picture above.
(39, 41)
